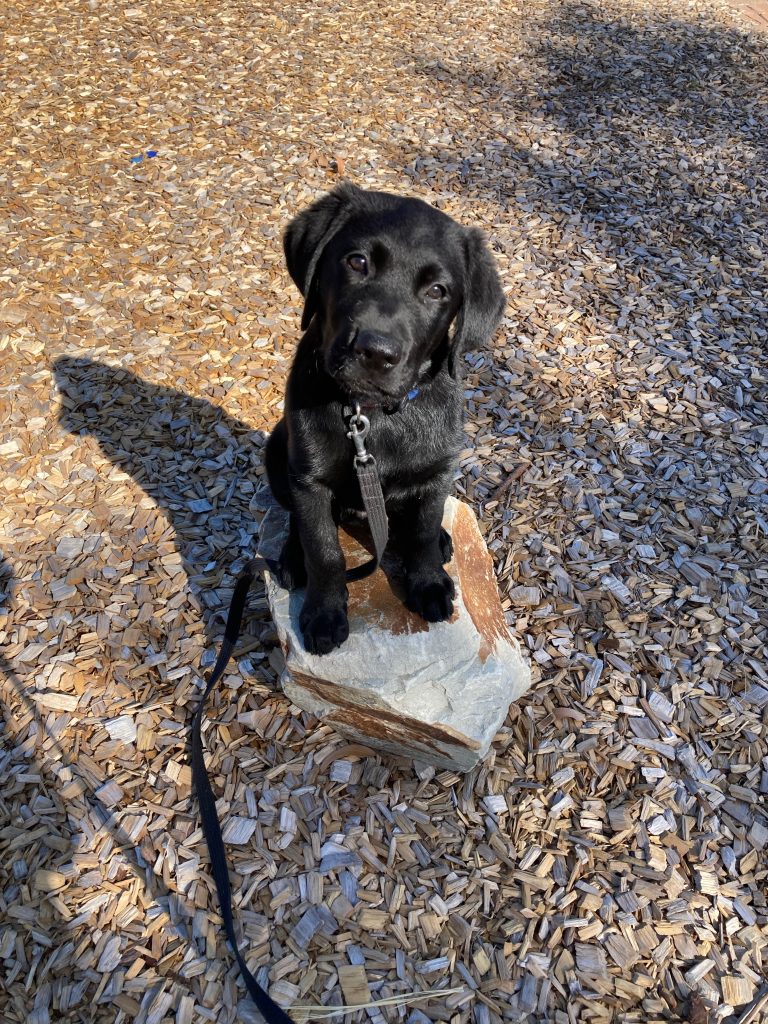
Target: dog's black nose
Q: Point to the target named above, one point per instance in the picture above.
(377, 351)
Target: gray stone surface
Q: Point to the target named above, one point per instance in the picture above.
(435, 692)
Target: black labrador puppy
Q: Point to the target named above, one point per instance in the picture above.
(394, 291)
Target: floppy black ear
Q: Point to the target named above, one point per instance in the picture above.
(308, 234)
(483, 299)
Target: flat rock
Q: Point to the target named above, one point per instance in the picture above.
(437, 692)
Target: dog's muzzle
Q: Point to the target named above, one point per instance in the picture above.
(376, 353)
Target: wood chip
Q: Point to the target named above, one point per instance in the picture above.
(354, 984)
(736, 990)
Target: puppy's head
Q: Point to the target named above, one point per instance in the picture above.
(396, 285)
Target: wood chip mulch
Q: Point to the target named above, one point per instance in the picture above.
(609, 861)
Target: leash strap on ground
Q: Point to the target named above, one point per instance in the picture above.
(270, 1011)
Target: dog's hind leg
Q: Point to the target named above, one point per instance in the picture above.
(292, 571)
(276, 464)
(446, 546)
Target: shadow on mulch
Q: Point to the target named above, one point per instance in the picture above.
(181, 451)
(657, 141)
(197, 463)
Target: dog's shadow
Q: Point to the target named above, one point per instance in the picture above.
(200, 466)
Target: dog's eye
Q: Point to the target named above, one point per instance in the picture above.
(358, 263)
(436, 291)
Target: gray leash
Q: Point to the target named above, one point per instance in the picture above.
(370, 490)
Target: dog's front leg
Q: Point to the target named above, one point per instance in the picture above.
(323, 619)
(424, 546)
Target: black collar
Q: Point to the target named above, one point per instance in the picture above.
(371, 406)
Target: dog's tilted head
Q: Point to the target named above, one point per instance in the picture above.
(396, 285)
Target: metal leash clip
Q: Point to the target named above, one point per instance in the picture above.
(359, 426)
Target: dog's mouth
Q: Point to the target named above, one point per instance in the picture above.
(358, 387)
(388, 388)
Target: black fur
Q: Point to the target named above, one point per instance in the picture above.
(419, 289)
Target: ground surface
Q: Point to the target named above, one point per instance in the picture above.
(608, 862)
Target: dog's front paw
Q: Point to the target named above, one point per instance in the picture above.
(323, 627)
(431, 595)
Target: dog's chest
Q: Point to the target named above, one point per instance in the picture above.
(403, 448)
(409, 450)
